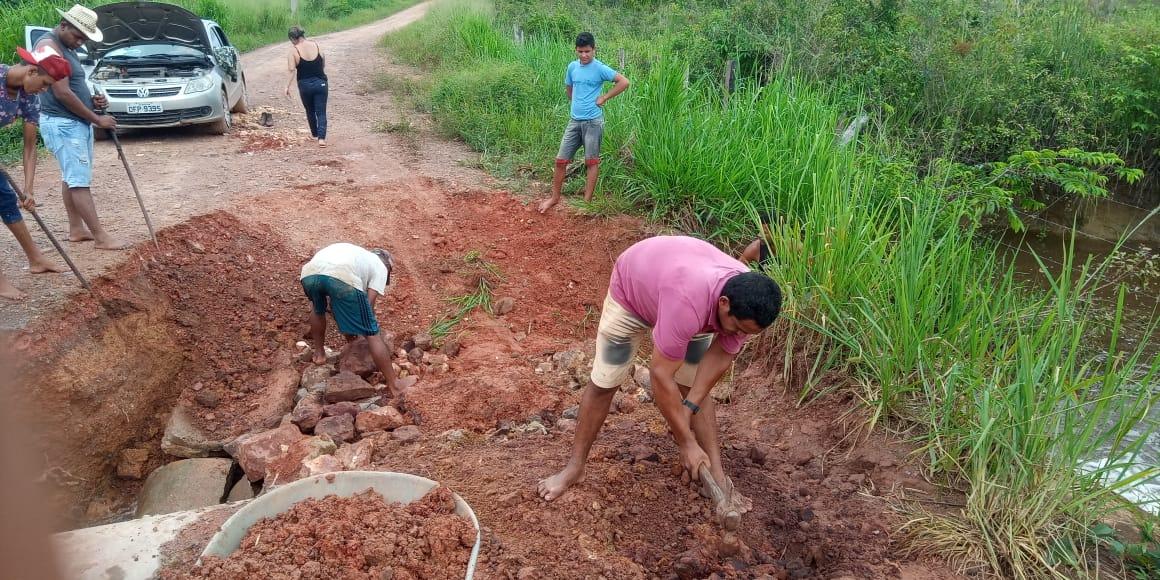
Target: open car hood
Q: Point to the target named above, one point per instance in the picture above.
(130, 23)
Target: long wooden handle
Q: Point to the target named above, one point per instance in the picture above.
(714, 489)
(730, 516)
(48, 233)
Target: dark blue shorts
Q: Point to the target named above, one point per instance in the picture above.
(351, 307)
(9, 204)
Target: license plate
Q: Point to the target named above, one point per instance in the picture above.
(139, 108)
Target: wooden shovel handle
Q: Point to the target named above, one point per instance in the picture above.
(730, 516)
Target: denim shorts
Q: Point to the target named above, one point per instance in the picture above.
(351, 307)
(71, 142)
(586, 133)
(9, 204)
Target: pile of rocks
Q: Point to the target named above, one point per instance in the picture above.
(335, 421)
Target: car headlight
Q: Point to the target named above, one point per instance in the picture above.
(199, 85)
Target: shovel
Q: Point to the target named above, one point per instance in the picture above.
(731, 516)
(44, 228)
(132, 180)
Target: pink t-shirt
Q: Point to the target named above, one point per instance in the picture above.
(673, 283)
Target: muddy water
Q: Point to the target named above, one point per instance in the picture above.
(1098, 225)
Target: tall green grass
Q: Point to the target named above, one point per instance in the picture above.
(248, 23)
(1002, 387)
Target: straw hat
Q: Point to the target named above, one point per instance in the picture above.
(84, 20)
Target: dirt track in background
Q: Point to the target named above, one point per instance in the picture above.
(218, 306)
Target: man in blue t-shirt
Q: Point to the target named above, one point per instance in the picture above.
(584, 82)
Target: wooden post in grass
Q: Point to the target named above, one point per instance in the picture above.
(294, 11)
(518, 34)
(620, 58)
(730, 79)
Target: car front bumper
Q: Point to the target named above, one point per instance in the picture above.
(178, 110)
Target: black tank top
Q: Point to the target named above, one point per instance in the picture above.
(311, 69)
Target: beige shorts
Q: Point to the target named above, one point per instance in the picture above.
(617, 338)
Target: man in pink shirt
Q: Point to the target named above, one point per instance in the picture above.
(701, 306)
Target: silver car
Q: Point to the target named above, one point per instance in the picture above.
(162, 66)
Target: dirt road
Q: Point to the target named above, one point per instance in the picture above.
(182, 173)
(217, 308)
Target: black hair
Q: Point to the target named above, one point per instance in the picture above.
(585, 39)
(753, 296)
(296, 32)
(388, 261)
(767, 216)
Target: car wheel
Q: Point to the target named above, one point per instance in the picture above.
(243, 104)
(223, 125)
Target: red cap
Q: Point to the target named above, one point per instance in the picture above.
(48, 59)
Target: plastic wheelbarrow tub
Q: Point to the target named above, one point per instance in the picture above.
(394, 487)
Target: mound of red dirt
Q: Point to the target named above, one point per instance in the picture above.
(358, 537)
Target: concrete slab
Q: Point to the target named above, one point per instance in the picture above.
(184, 485)
(126, 550)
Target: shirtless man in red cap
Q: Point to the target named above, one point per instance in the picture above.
(21, 82)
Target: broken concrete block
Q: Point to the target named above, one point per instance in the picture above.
(184, 485)
(314, 377)
(307, 412)
(381, 419)
(339, 428)
(242, 490)
(254, 451)
(356, 456)
(185, 439)
(319, 465)
(355, 358)
(347, 386)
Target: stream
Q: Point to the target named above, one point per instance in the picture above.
(1098, 224)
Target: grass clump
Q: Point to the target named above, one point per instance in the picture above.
(485, 276)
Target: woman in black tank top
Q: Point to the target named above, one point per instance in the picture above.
(312, 85)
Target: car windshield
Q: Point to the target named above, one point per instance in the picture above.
(154, 51)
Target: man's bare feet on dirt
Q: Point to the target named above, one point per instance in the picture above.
(322, 142)
(319, 357)
(80, 236)
(555, 486)
(111, 243)
(10, 292)
(43, 267)
(547, 204)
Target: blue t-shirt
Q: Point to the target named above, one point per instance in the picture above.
(24, 106)
(587, 82)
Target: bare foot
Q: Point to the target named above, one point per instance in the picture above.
(43, 267)
(80, 236)
(319, 357)
(587, 198)
(111, 243)
(555, 486)
(322, 142)
(7, 290)
(548, 203)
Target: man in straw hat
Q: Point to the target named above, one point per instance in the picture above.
(21, 83)
(67, 119)
(351, 279)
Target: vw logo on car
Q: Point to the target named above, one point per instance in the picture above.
(143, 92)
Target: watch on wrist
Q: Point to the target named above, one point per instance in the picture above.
(691, 405)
